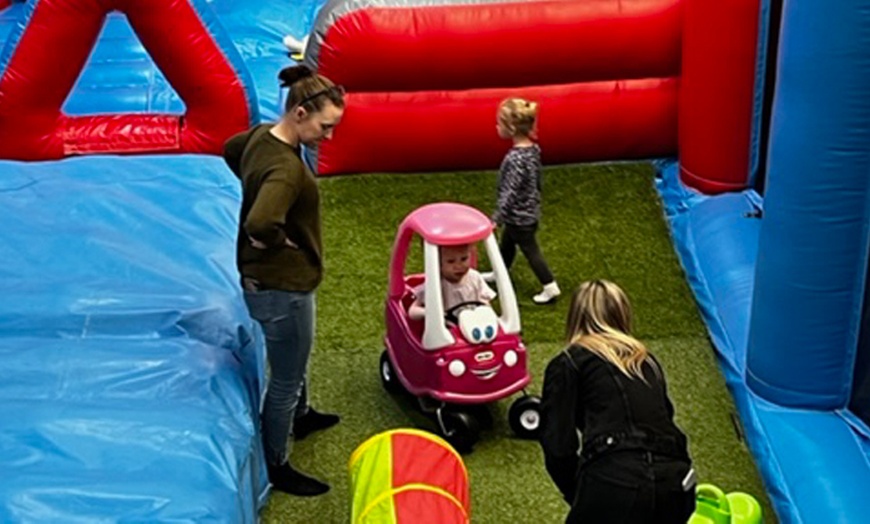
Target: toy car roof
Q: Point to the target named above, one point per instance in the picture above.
(449, 224)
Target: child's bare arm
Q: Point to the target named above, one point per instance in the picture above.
(417, 311)
(485, 294)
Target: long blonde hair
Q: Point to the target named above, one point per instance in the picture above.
(599, 319)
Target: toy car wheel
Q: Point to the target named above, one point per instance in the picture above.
(524, 416)
(459, 429)
(388, 375)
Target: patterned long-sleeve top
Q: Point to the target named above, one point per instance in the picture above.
(519, 187)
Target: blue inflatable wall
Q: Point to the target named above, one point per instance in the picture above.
(783, 292)
(813, 245)
(813, 249)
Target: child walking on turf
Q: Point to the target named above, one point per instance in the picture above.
(518, 208)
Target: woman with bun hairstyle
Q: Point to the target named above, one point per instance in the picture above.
(279, 256)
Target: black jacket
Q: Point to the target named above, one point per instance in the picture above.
(586, 394)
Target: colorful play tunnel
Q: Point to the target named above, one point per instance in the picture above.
(408, 476)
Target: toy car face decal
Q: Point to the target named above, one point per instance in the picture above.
(478, 325)
(486, 374)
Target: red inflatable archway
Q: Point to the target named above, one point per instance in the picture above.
(54, 48)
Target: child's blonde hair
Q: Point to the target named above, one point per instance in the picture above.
(518, 116)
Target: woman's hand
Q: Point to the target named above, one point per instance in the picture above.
(256, 244)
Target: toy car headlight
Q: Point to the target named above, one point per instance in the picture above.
(510, 358)
(456, 368)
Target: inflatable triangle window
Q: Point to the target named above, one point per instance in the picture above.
(50, 47)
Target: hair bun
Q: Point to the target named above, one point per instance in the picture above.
(290, 75)
(531, 108)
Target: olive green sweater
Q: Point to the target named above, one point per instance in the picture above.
(280, 201)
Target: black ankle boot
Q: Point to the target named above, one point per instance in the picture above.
(288, 480)
(311, 422)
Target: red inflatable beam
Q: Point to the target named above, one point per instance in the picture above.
(502, 45)
(34, 88)
(719, 48)
(425, 81)
(456, 129)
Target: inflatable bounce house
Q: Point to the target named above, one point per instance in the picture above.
(130, 373)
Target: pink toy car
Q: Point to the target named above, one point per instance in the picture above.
(451, 367)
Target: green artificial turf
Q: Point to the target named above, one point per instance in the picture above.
(599, 221)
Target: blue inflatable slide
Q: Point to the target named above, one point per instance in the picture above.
(130, 371)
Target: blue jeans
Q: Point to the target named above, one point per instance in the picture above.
(287, 319)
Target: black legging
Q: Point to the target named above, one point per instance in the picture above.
(524, 236)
